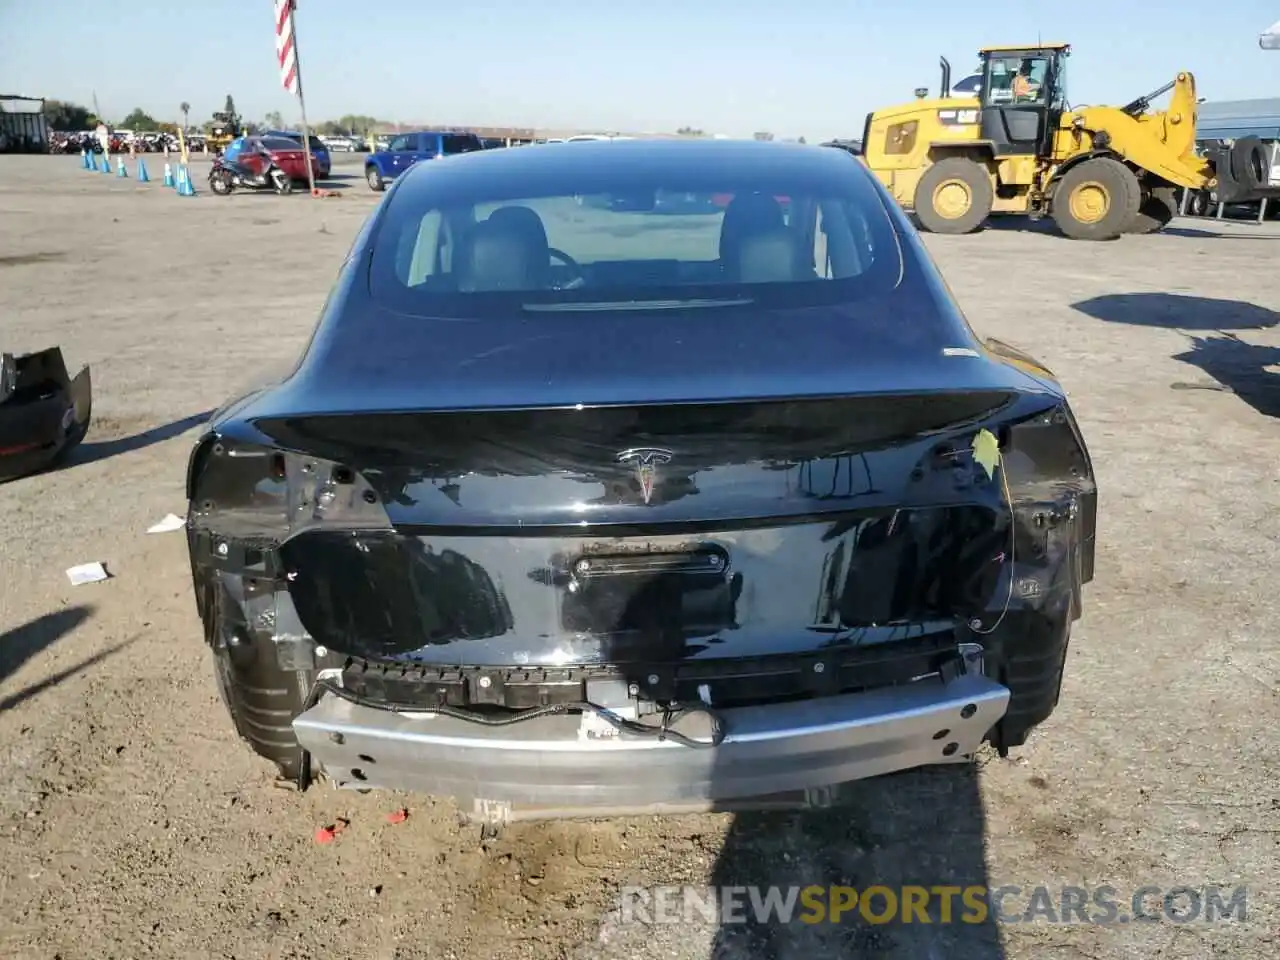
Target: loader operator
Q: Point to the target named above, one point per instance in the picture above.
(1025, 89)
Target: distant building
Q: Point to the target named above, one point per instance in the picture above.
(23, 128)
(1233, 119)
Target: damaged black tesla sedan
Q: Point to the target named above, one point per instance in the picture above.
(640, 476)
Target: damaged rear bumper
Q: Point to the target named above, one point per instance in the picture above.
(43, 412)
(548, 767)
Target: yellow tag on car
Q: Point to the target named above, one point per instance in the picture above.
(986, 451)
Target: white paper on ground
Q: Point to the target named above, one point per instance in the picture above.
(86, 573)
(169, 524)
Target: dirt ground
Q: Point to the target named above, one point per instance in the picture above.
(134, 824)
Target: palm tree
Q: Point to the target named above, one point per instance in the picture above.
(186, 109)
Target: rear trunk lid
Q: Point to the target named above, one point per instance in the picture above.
(725, 484)
(654, 534)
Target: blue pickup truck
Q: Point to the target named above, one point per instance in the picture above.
(406, 149)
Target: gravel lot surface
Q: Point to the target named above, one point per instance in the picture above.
(134, 824)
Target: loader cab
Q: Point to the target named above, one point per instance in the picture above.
(1023, 95)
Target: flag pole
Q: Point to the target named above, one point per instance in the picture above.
(302, 103)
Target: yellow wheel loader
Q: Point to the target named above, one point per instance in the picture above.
(226, 127)
(1020, 148)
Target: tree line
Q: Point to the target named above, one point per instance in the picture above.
(66, 115)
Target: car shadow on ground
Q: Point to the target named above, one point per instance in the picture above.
(20, 644)
(91, 451)
(1235, 365)
(893, 867)
(922, 829)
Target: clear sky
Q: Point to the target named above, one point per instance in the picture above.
(811, 67)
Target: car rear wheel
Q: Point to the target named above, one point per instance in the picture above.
(954, 196)
(261, 699)
(1096, 200)
(376, 182)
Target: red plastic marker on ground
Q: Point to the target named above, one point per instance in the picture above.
(329, 833)
(398, 816)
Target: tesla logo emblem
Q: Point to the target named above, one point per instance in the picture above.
(646, 461)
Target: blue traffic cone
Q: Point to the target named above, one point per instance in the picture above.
(168, 175)
(106, 165)
(120, 168)
(143, 176)
(84, 158)
(187, 189)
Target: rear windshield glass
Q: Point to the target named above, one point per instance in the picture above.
(455, 143)
(599, 240)
(280, 143)
(316, 142)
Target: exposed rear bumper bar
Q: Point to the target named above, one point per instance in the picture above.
(543, 763)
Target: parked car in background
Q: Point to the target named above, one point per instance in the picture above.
(406, 149)
(255, 152)
(849, 146)
(324, 163)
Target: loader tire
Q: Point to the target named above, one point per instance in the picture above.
(1096, 200)
(954, 196)
(1156, 211)
(1250, 166)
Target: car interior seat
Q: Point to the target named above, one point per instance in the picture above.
(755, 244)
(769, 256)
(530, 226)
(501, 255)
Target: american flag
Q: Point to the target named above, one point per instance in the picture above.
(285, 51)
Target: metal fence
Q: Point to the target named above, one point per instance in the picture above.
(23, 128)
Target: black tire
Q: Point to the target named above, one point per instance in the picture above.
(261, 699)
(1096, 199)
(1156, 211)
(1033, 673)
(1198, 204)
(283, 186)
(376, 183)
(1249, 163)
(220, 182)
(954, 196)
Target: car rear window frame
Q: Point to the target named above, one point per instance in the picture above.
(408, 208)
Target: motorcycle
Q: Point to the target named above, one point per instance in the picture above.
(227, 175)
